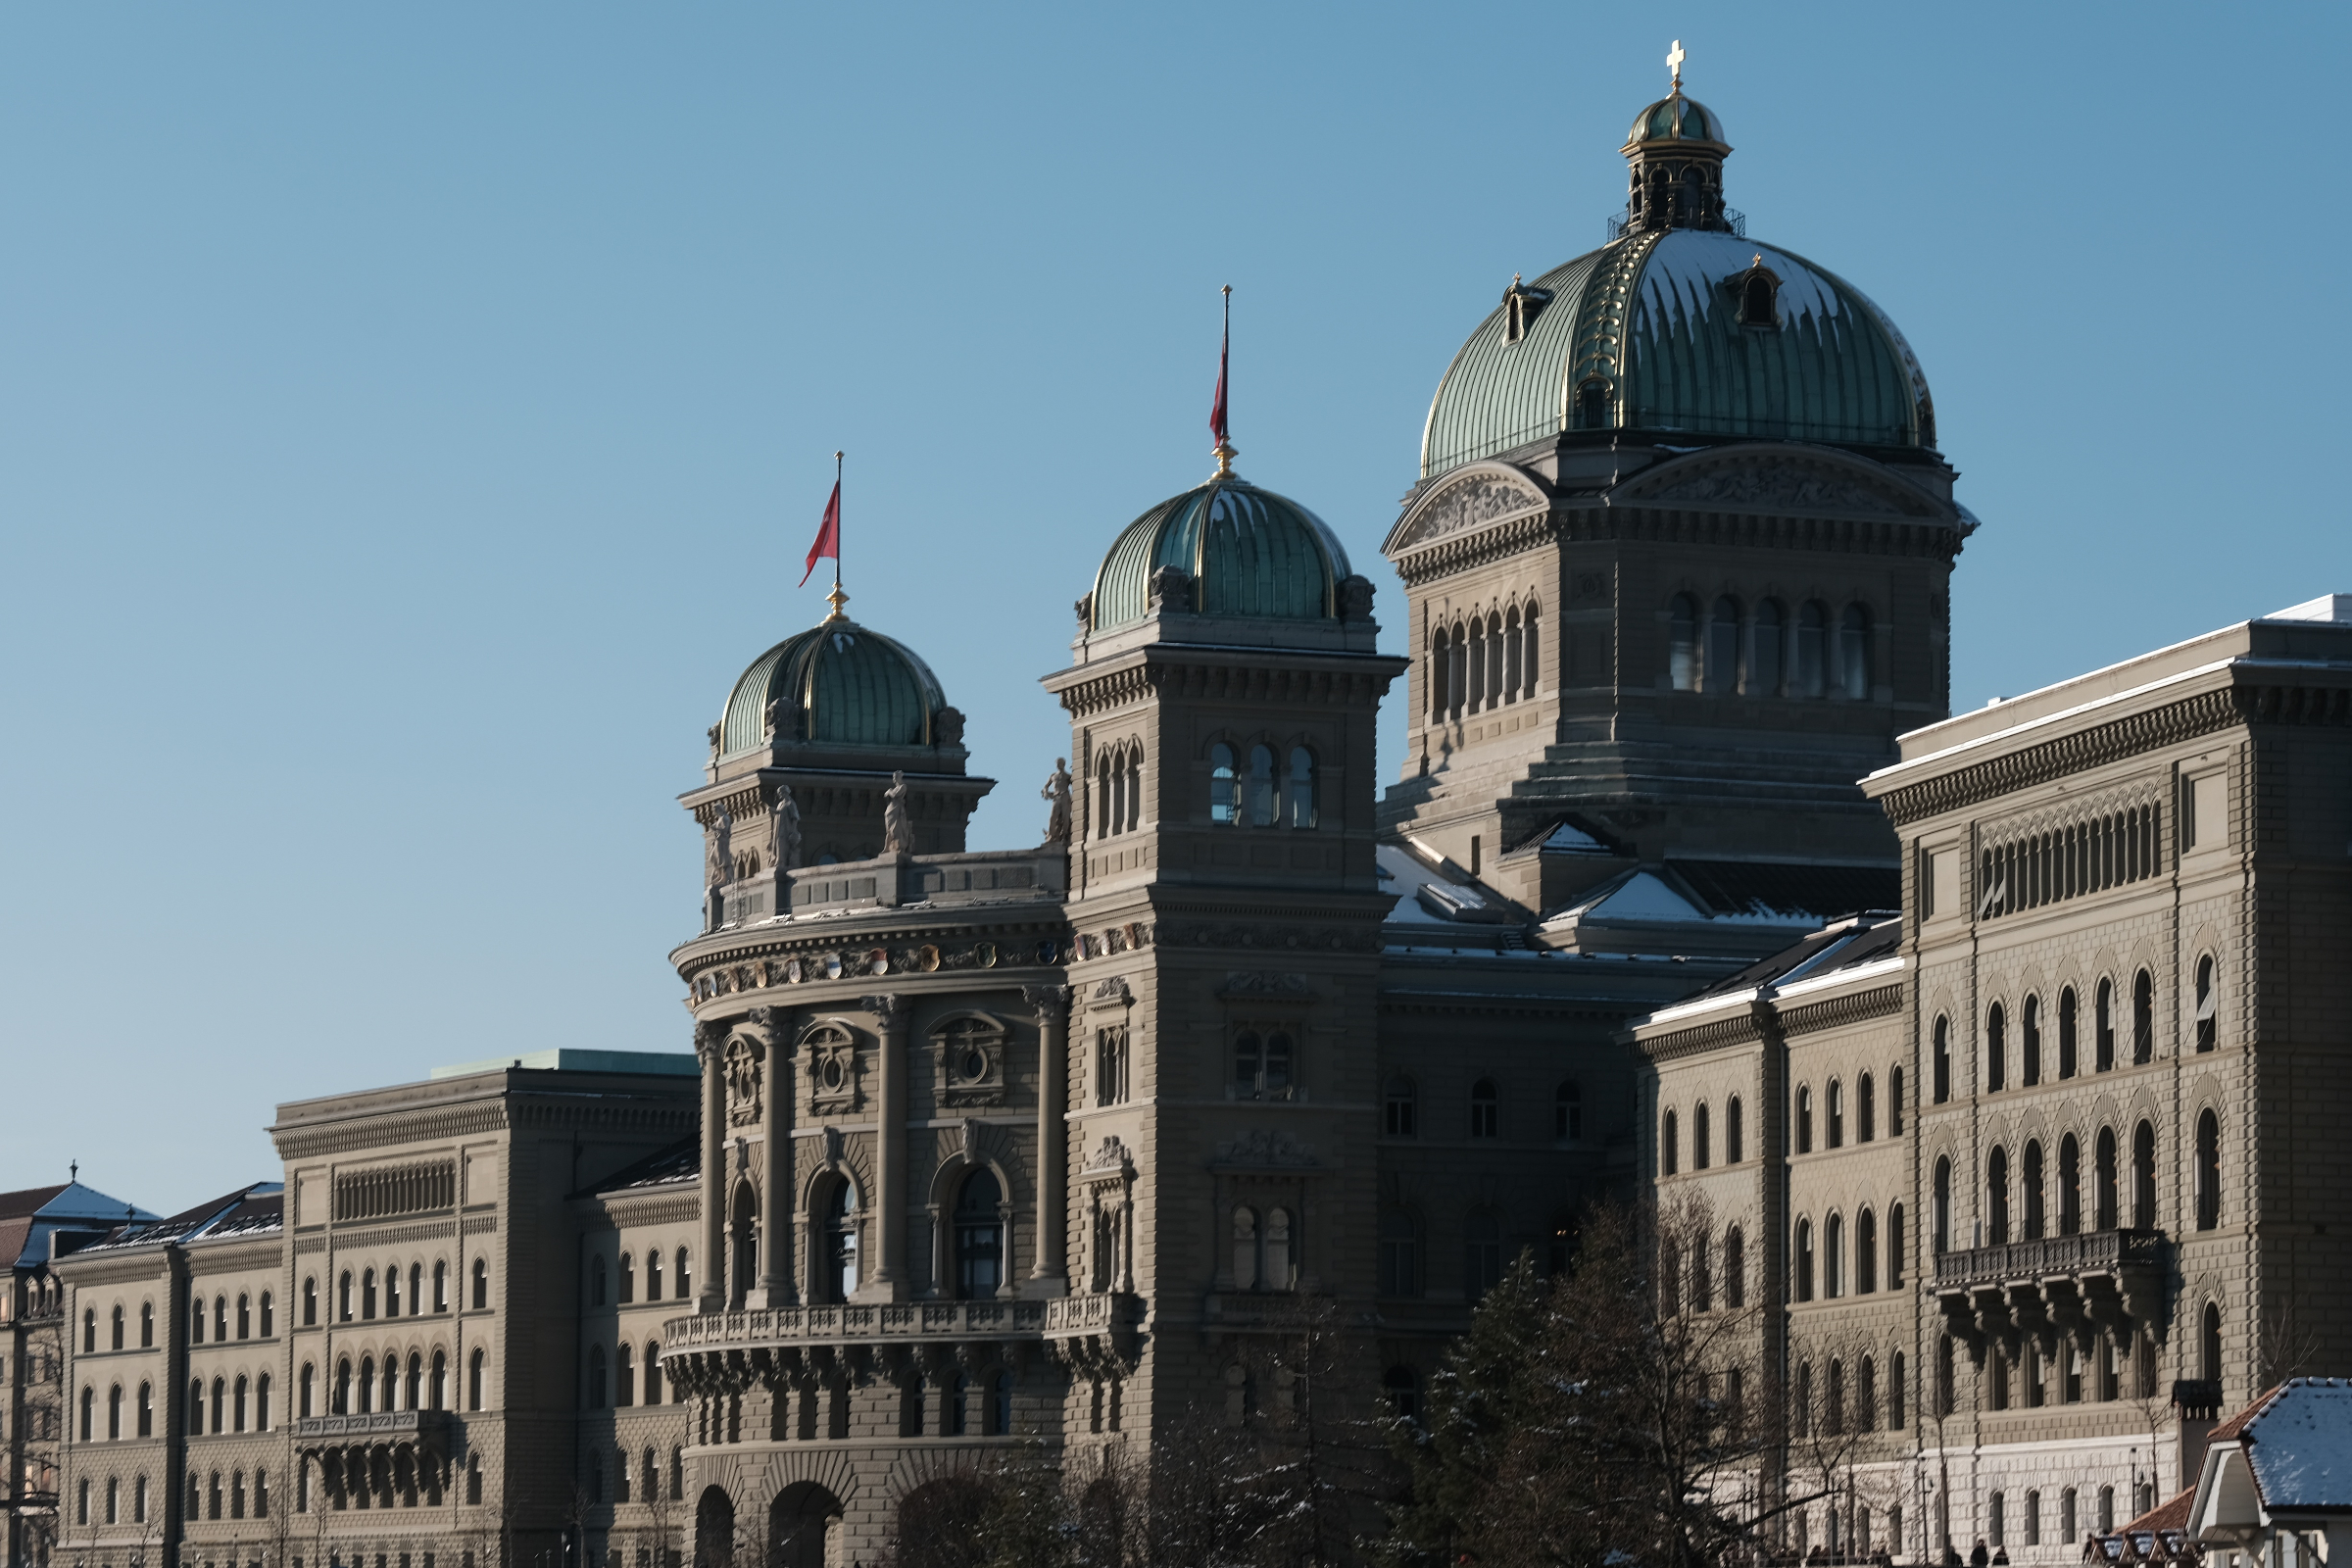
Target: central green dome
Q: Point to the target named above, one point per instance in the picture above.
(837, 683)
(1247, 552)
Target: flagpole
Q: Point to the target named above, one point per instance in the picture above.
(836, 597)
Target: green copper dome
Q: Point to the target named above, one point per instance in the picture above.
(1680, 331)
(837, 683)
(1676, 119)
(1248, 552)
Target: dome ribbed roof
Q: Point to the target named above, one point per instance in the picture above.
(1250, 553)
(845, 684)
(1653, 323)
(1676, 119)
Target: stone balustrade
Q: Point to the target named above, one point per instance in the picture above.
(2051, 1286)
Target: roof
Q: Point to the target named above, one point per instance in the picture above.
(1842, 945)
(839, 683)
(1654, 319)
(1250, 551)
(2298, 1442)
(32, 1217)
(681, 1161)
(254, 1210)
(1675, 118)
(563, 1059)
(2168, 1517)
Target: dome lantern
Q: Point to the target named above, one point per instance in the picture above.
(1676, 150)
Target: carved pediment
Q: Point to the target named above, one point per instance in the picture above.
(1483, 494)
(1762, 480)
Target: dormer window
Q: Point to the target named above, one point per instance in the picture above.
(1521, 304)
(1592, 406)
(1759, 294)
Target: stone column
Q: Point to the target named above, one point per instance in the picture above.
(1053, 1004)
(708, 1038)
(775, 1181)
(888, 1276)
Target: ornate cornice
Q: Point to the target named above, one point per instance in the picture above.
(394, 1234)
(1879, 1002)
(658, 1208)
(1588, 522)
(1195, 674)
(378, 1132)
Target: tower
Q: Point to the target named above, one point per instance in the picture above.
(1677, 564)
(1225, 909)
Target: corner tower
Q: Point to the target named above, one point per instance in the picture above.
(1677, 564)
(1225, 909)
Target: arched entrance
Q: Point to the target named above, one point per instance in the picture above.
(799, 1522)
(715, 1528)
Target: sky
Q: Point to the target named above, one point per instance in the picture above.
(412, 419)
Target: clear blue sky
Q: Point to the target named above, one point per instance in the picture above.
(412, 419)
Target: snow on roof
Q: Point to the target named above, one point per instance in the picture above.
(2300, 1445)
(1568, 836)
(2327, 607)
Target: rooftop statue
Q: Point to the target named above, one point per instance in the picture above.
(1057, 790)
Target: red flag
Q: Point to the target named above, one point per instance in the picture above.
(1216, 410)
(829, 536)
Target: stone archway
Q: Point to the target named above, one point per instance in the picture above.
(801, 1522)
(715, 1528)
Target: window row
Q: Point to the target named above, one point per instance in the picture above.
(1829, 1406)
(1485, 663)
(1767, 652)
(359, 1299)
(119, 1509)
(2067, 863)
(1846, 1268)
(1401, 1253)
(1401, 1109)
(1833, 1126)
(2019, 1201)
(627, 1278)
(623, 1388)
(89, 1323)
(2071, 1374)
(2071, 1525)
(1118, 790)
(645, 1484)
(1702, 1136)
(1690, 1276)
(384, 1478)
(359, 1390)
(1263, 795)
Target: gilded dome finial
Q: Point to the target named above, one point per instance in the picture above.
(1674, 63)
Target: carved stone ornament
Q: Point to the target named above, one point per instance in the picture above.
(1265, 983)
(743, 1083)
(1050, 1001)
(1266, 1147)
(1471, 502)
(1170, 588)
(834, 1144)
(889, 1011)
(946, 727)
(1356, 598)
(1111, 1155)
(972, 1130)
(1114, 990)
(1784, 483)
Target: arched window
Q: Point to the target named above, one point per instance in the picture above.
(1833, 1409)
(1853, 652)
(1298, 794)
(1485, 1109)
(1804, 1119)
(474, 1381)
(653, 1274)
(682, 1285)
(1866, 1109)
(980, 1236)
(625, 1278)
(1482, 1255)
(2208, 1006)
(1723, 646)
(596, 1280)
(2070, 1186)
(2102, 1026)
(1702, 1152)
(367, 1384)
(342, 1396)
(113, 1413)
(414, 1391)
(482, 1283)
(2209, 1344)
(1670, 1277)
(2030, 1043)
(1222, 790)
(1894, 1247)
(1866, 1252)
(1734, 1268)
(2144, 1177)
(1834, 1121)
(1530, 652)
(1261, 786)
(196, 1319)
(146, 1409)
(1764, 669)
(243, 1396)
(147, 1317)
(1681, 642)
(1568, 1113)
(1832, 1257)
(2209, 1171)
(269, 1315)
(1939, 1210)
(1996, 1197)
(743, 1252)
(116, 1329)
(2104, 1195)
(1733, 1133)
(1402, 1105)
(997, 1418)
(1943, 1076)
(438, 1393)
(2068, 1058)
(1804, 1261)
(1996, 1048)
(392, 1291)
(1812, 656)
(596, 1377)
(1513, 672)
(196, 1405)
(368, 1294)
(2032, 1173)
(1669, 1140)
(1478, 664)
(1400, 1254)
(841, 1277)
(1895, 1101)
(2143, 1020)
(653, 1374)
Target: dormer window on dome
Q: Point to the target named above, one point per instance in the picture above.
(1758, 291)
(1521, 304)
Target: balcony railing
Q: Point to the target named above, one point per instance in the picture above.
(2090, 1253)
(373, 1427)
(855, 1324)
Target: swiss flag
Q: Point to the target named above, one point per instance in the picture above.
(828, 532)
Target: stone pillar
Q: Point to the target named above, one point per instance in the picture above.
(889, 1277)
(775, 1180)
(1053, 1004)
(708, 1038)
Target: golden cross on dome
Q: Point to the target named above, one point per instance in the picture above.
(1673, 63)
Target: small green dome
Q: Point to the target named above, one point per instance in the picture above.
(1677, 118)
(1250, 551)
(837, 683)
